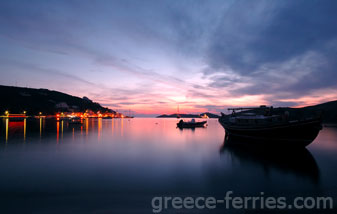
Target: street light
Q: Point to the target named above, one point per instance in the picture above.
(6, 113)
(24, 112)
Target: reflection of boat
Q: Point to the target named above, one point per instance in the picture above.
(270, 129)
(299, 161)
(190, 124)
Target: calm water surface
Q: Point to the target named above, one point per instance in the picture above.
(119, 165)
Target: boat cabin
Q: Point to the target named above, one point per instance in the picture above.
(252, 118)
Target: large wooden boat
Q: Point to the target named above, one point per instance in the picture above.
(270, 130)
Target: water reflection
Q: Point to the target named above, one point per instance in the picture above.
(298, 162)
(62, 129)
(57, 130)
(15, 128)
(138, 159)
(40, 127)
(86, 126)
(122, 127)
(6, 129)
(99, 128)
(24, 129)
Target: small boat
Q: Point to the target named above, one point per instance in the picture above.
(75, 121)
(16, 117)
(269, 129)
(107, 117)
(190, 124)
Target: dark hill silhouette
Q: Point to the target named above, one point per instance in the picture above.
(19, 99)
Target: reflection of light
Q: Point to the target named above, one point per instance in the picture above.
(40, 127)
(6, 129)
(57, 130)
(112, 126)
(62, 129)
(86, 126)
(24, 129)
(73, 134)
(99, 127)
(122, 127)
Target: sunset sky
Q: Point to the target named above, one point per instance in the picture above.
(151, 56)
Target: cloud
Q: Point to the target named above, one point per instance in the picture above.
(284, 47)
(156, 54)
(272, 32)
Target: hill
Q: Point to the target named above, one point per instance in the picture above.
(19, 99)
(329, 110)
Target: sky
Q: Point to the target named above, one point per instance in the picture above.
(151, 56)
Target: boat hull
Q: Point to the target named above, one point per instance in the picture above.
(299, 133)
(191, 125)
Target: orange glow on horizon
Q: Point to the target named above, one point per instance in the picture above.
(166, 102)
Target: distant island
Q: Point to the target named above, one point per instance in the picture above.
(44, 101)
(203, 115)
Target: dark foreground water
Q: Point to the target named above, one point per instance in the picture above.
(119, 165)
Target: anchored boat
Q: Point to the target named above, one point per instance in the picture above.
(269, 129)
(190, 124)
(75, 121)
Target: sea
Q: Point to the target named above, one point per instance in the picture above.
(148, 165)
